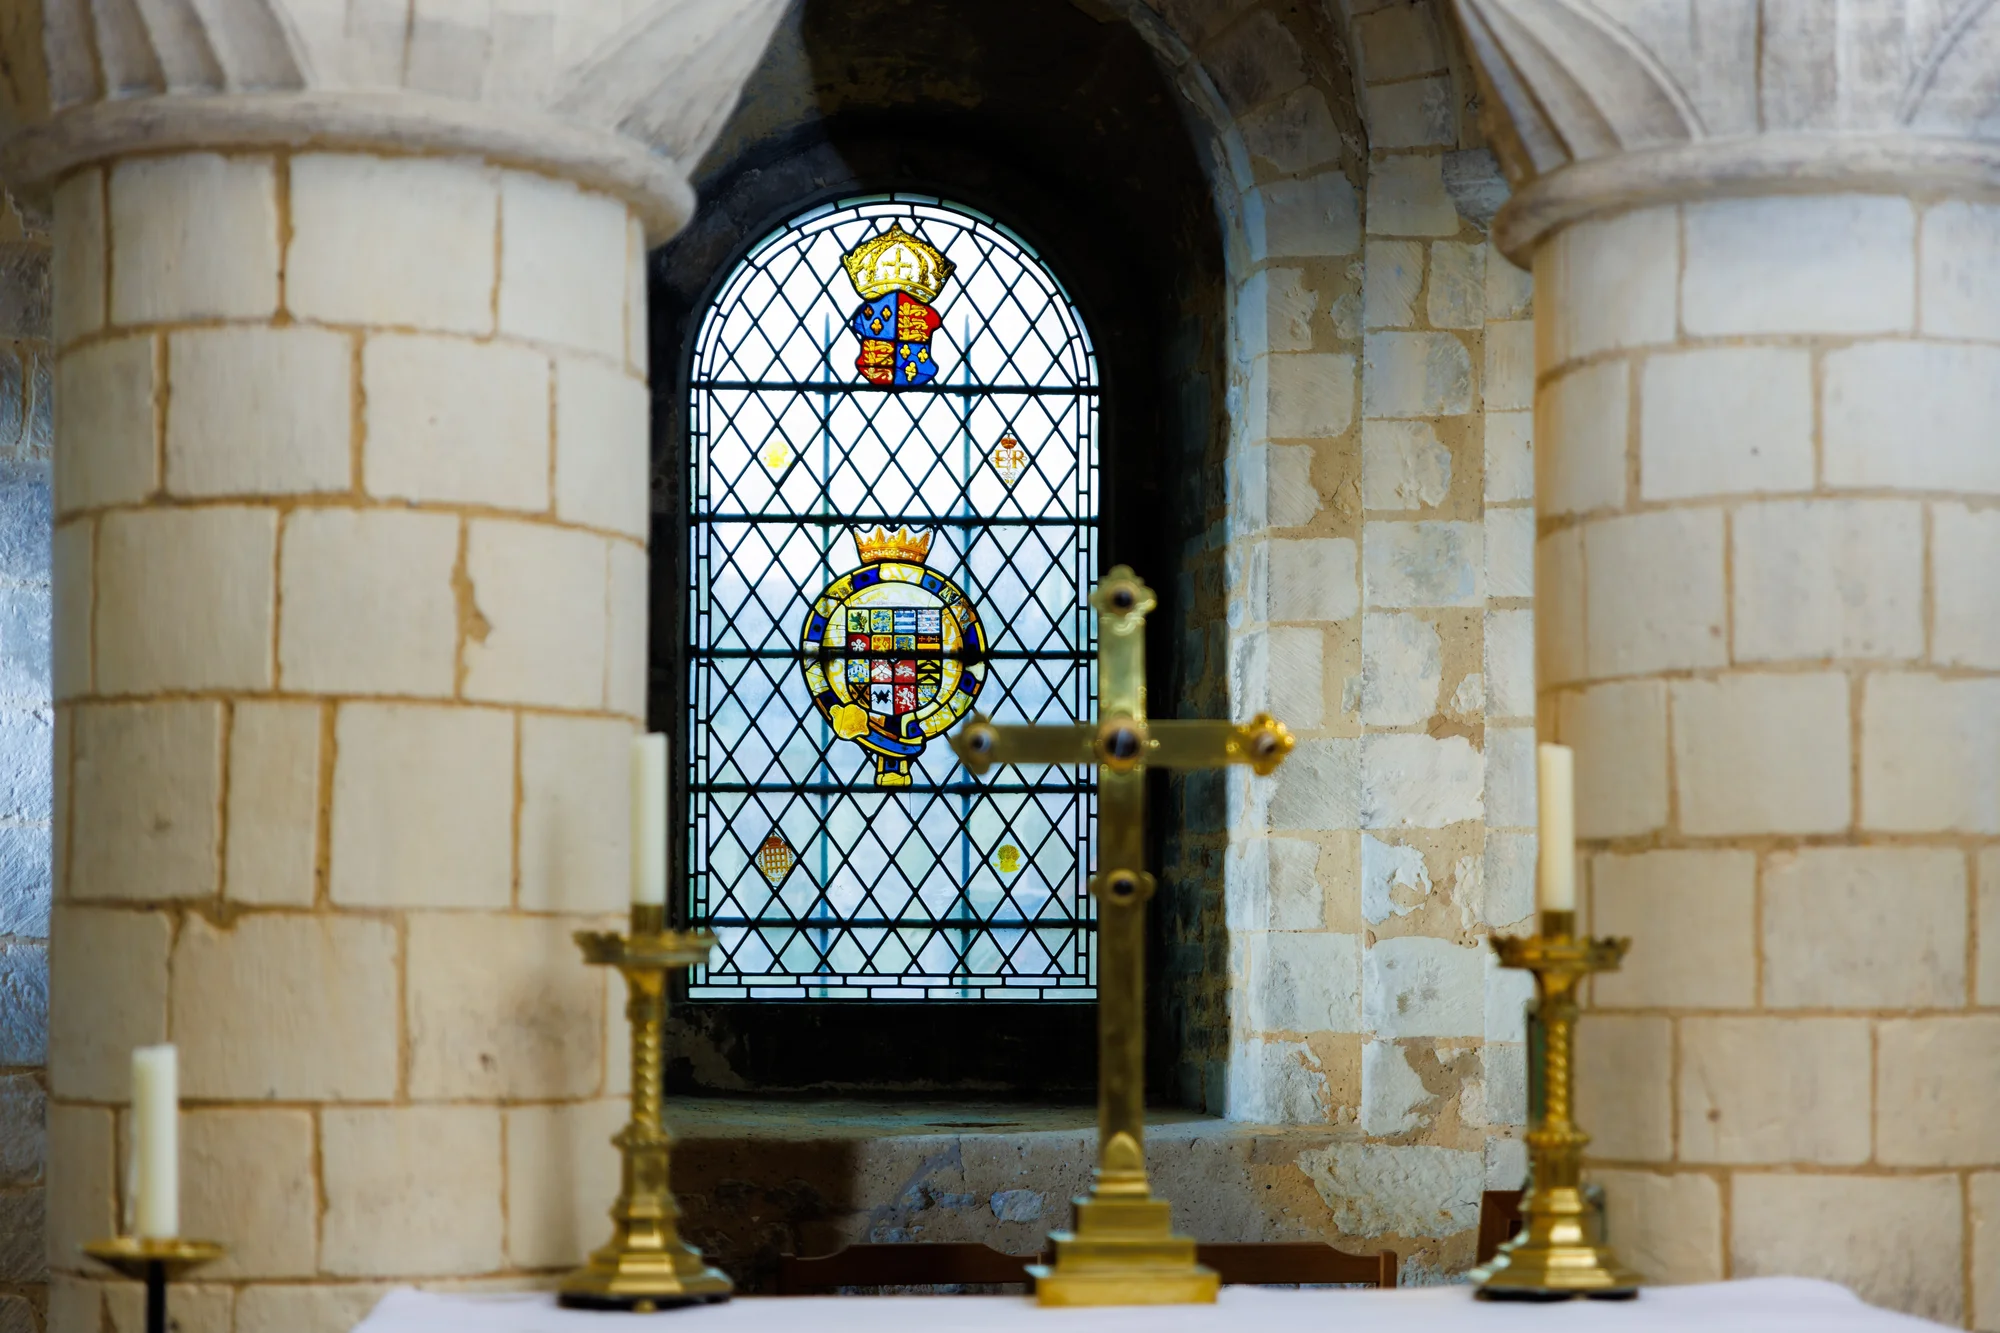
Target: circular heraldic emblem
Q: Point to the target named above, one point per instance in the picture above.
(894, 652)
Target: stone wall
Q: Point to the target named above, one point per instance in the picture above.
(349, 568)
(26, 391)
(1779, 667)
(1376, 558)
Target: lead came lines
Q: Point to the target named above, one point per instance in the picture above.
(798, 454)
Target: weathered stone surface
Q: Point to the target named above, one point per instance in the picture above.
(24, 881)
(1402, 669)
(545, 631)
(1743, 1081)
(1412, 1191)
(24, 1004)
(335, 1036)
(1984, 1196)
(23, 1252)
(185, 599)
(1760, 265)
(1696, 911)
(1394, 881)
(193, 236)
(1510, 456)
(1277, 1082)
(1319, 787)
(1510, 777)
(99, 1011)
(1619, 733)
(23, 1140)
(1403, 465)
(249, 1174)
(1507, 883)
(1669, 1228)
(1315, 215)
(1582, 417)
(260, 411)
(392, 241)
(1654, 600)
(1930, 754)
(344, 570)
(1414, 781)
(561, 1168)
(1936, 1082)
(147, 787)
(1725, 420)
(1392, 1096)
(1304, 981)
(417, 795)
(449, 421)
(1414, 986)
(1415, 375)
(1817, 579)
(1855, 927)
(1423, 564)
(1896, 1240)
(497, 1009)
(1624, 1077)
(1406, 197)
(1294, 134)
(1763, 754)
(411, 1189)
(562, 264)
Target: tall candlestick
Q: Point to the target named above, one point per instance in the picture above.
(1555, 794)
(649, 820)
(156, 1109)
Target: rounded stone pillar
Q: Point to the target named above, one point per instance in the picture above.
(1768, 619)
(351, 513)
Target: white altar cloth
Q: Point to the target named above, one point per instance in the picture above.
(1759, 1305)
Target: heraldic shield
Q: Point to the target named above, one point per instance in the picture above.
(898, 277)
(893, 653)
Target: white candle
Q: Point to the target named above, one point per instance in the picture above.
(649, 820)
(1555, 795)
(156, 1109)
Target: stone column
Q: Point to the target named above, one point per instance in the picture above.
(351, 497)
(349, 585)
(1768, 340)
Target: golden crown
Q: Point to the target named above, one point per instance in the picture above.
(904, 545)
(893, 261)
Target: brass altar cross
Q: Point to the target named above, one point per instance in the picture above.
(1123, 1250)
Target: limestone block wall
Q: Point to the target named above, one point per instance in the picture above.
(26, 380)
(1770, 525)
(349, 584)
(1373, 588)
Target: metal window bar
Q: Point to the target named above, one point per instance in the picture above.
(1026, 563)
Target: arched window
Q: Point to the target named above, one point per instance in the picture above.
(893, 495)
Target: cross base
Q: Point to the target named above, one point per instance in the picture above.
(1123, 1252)
(622, 1276)
(1555, 1257)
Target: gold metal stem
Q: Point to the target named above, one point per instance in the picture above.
(1123, 1250)
(646, 1265)
(1557, 1255)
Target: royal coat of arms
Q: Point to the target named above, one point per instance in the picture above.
(898, 277)
(893, 652)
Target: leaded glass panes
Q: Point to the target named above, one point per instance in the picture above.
(893, 478)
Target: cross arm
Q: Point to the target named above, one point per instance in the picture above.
(1125, 743)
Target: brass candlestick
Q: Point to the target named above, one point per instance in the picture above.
(646, 1266)
(156, 1263)
(1123, 1250)
(1557, 1254)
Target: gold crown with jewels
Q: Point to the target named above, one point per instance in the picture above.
(904, 545)
(894, 260)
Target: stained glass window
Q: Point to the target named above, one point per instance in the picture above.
(894, 492)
